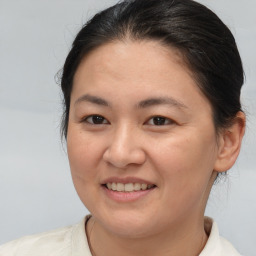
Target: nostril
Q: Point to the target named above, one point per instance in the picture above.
(121, 158)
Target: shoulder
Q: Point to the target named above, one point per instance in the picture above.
(216, 245)
(228, 248)
(53, 243)
(47, 243)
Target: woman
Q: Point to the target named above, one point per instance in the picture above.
(152, 117)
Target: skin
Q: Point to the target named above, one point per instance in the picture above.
(181, 156)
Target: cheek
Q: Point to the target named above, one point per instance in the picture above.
(83, 155)
(82, 147)
(186, 150)
(185, 162)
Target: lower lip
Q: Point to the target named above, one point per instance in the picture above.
(127, 196)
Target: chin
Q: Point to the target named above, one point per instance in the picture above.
(129, 225)
(126, 230)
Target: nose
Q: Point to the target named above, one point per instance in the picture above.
(125, 148)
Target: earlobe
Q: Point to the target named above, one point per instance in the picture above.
(230, 143)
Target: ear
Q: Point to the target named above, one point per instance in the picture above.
(230, 141)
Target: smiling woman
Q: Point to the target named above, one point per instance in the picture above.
(152, 116)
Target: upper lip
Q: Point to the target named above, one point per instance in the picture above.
(126, 180)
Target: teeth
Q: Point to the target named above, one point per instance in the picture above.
(113, 186)
(137, 186)
(144, 186)
(128, 187)
(120, 187)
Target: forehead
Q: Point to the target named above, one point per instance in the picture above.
(116, 57)
(135, 67)
(123, 58)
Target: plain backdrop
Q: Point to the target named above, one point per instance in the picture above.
(36, 190)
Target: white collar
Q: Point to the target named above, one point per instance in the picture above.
(215, 246)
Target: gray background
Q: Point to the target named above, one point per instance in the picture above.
(36, 191)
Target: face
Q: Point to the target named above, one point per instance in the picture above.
(141, 139)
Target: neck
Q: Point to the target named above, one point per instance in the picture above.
(171, 243)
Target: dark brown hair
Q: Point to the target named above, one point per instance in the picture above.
(208, 47)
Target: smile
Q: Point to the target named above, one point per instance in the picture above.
(128, 187)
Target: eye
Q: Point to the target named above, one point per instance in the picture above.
(160, 120)
(95, 119)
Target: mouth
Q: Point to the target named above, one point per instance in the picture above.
(128, 187)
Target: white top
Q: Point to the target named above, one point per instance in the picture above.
(72, 240)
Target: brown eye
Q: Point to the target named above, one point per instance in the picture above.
(96, 119)
(159, 120)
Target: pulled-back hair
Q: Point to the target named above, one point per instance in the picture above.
(206, 44)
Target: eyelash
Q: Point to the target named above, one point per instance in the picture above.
(161, 118)
(94, 116)
(105, 121)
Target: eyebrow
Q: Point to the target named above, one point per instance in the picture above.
(161, 101)
(142, 104)
(92, 99)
